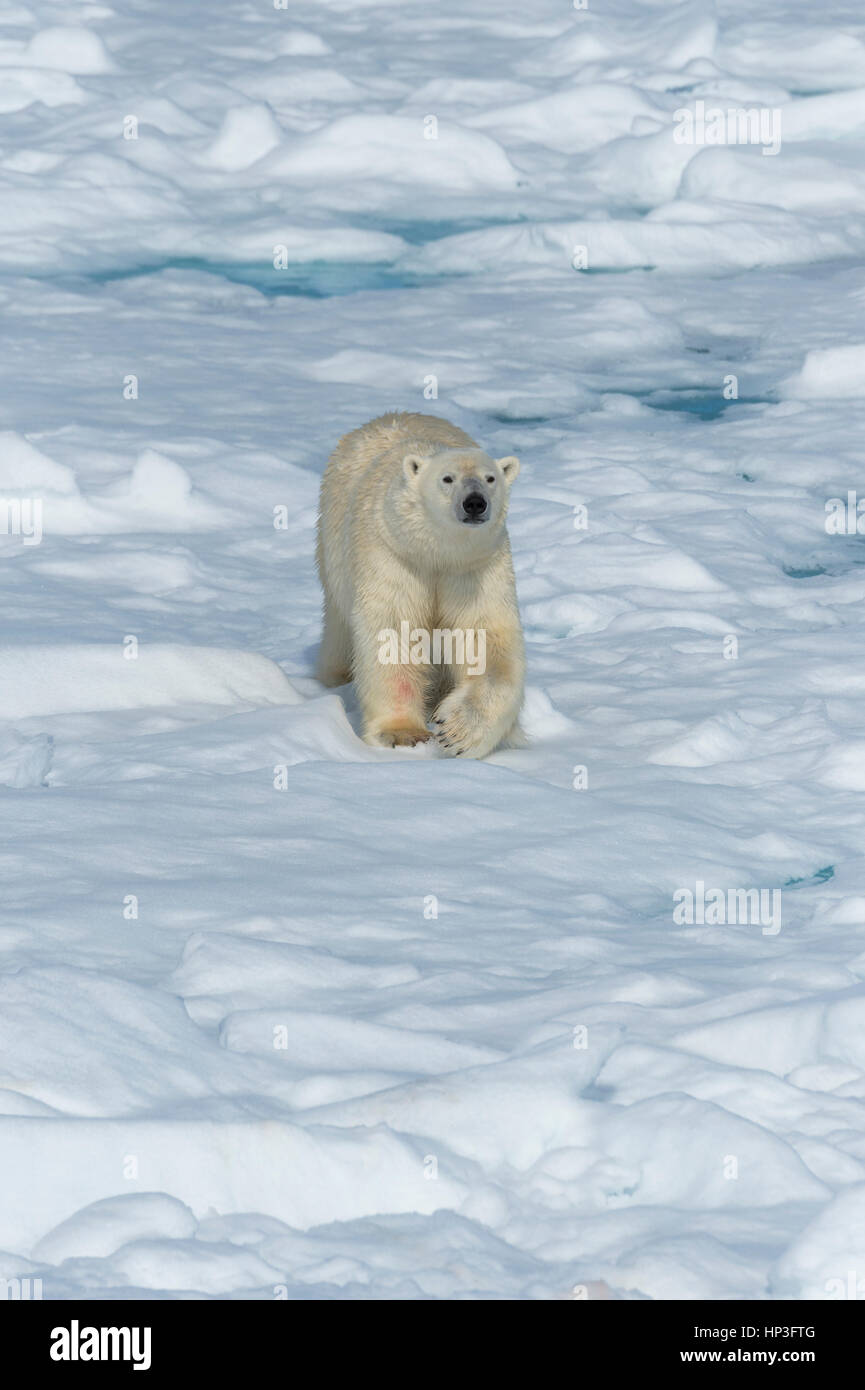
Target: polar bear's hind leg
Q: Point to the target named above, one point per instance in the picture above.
(334, 657)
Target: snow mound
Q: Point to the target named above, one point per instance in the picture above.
(825, 1261)
(156, 495)
(834, 373)
(247, 134)
(24, 760)
(24, 468)
(103, 1227)
(63, 679)
(68, 48)
(395, 149)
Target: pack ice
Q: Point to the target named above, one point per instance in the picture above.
(282, 1015)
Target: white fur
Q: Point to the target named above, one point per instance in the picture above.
(391, 550)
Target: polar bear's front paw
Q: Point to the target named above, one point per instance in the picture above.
(462, 726)
(397, 735)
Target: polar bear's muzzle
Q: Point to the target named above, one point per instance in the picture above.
(473, 503)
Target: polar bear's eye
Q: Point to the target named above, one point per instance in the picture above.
(490, 478)
(447, 478)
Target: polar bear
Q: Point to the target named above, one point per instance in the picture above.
(412, 547)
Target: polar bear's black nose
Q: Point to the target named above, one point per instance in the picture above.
(474, 506)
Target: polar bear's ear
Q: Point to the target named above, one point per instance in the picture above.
(510, 467)
(412, 465)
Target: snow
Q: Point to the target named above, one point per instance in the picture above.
(67, 48)
(285, 1015)
(349, 147)
(248, 133)
(833, 373)
(64, 679)
(828, 1251)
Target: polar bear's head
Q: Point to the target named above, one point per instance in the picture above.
(461, 490)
